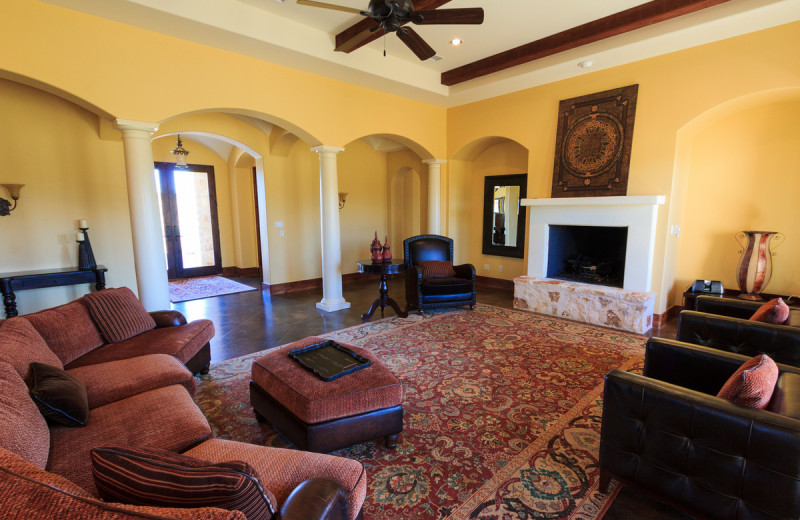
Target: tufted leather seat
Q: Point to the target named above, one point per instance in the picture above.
(428, 293)
(665, 432)
(780, 342)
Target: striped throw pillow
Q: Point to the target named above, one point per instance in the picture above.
(152, 477)
(118, 314)
(437, 268)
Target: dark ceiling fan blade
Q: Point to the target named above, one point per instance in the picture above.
(415, 42)
(468, 15)
(312, 3)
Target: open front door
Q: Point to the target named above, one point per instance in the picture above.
(189, 220)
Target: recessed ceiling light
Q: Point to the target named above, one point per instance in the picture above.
(585, 64)
(456, 42)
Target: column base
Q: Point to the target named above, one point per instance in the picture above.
(329, 306)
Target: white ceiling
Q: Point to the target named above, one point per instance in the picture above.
(303, 37)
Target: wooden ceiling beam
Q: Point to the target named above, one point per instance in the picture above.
(613, 25)
(358, 35)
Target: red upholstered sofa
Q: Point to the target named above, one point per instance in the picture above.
(139, 397)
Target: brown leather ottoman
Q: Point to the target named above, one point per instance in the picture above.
(324, 416)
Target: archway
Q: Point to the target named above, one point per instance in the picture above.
(469, 166)
(735, 170)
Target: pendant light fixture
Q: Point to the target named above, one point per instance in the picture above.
(180, 154)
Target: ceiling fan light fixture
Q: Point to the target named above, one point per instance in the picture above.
(436, 57)
(455, 42)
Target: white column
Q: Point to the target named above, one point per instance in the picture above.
(332, 299)
(434, 194)
(148, 249)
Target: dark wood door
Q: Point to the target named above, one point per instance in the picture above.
(189, 218)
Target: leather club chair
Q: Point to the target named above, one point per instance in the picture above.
(666, 433)
(430, 293)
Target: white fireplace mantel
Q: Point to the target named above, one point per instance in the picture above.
(637, 213)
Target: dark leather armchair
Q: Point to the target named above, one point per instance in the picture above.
(739, 335)
(429, 293)
(738, 308)
(666, 433)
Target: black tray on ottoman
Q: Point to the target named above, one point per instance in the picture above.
(328, 360)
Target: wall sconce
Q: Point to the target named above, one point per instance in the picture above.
(180, 154)
(13, 190)
(342, 199)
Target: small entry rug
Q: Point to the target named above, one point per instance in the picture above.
(184, 289)
(502, 413)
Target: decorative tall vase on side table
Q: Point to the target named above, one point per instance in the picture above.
(755, 265)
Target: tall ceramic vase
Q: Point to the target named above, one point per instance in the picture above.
(755, 265)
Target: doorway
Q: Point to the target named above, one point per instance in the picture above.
(190, 229)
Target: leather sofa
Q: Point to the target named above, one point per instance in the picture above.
(431, 293)
(736, 308)
(143, 400)
(741, 336)
(666, 433)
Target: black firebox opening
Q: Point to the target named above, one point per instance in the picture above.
(588, 254)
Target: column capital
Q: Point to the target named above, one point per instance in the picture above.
(327, 149)
(434, 161)
(140, 126)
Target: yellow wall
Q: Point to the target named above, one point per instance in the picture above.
(110, 68)
(673, 90)
(742, 176)
(52, 146)
(467, 178)
(140, 75)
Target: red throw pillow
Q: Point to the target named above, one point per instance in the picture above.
(437, 268)
(118, 314)
(153, 477)
(752, 384)
(774, 311)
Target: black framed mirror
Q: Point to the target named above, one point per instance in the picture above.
(503, 215)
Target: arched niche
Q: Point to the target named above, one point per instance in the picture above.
(736, 169)
(468, 169)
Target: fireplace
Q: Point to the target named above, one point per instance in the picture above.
(591, 259)
(588, 254)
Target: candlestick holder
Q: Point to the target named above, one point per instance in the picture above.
(86, 261)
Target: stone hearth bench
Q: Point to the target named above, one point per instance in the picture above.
(595, 304)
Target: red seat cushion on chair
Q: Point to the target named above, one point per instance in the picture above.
(437, 268)
(753, 384)
(774, 311)
(118, 314)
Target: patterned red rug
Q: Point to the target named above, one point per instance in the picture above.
(502, 414)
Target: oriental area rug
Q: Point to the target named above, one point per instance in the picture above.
(185, 289)
(502, 412)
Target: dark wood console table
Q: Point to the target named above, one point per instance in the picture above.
(383, 269)
(24, 280)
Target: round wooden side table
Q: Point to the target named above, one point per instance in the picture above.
(383, 270)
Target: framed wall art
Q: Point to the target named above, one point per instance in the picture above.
(593, 144)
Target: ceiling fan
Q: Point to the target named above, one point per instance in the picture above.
(391, 15)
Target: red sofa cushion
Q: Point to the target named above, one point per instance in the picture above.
(774, 311)
(21, 345)
(752, 384)
(118, 314)
(166, 418)
(161, 478)
(183, 342)
(437, 268)
(23, 430)
(30, 492)
(117, 380)
(67, 329)
(282, 470)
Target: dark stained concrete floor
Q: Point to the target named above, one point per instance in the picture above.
(256, 320)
